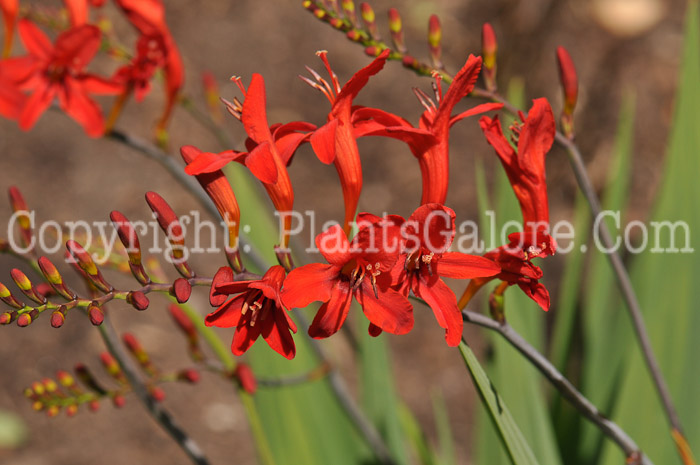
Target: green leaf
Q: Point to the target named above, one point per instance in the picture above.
(515, 444)
(13, 431)
(444, 431)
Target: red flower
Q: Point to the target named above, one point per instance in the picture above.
(270, 150)
(255, 310)
(525, 167)
(57, 70)
(138, 73)
(9, 8)
(430, 144)
(429, 232)
(360, 268)
(219, 190)
(12, 100)
(148, 16)
(335, 142)
(526, 172)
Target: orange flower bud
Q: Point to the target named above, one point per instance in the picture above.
(569, 82)
(489, 48)
(435, 41)
(396, 30)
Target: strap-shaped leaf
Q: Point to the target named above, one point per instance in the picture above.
(517, 448)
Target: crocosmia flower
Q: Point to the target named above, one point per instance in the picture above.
(430, 142)
(359, 269)
(255, 310)
(334, 142)
(525, 168)
(270, 150)
(428, 234)
(58, 70)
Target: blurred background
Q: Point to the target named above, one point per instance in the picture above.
(618, 46)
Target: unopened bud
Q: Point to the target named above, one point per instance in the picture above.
(53, 410)
(396, 29)
(369, 19)
(19, 206)
(96, 314)
(58, 317)
(84, 261)
(181, 290)
(189, 375)
(138, 300)
(489, 49)
(25, 285)
(569, 83)
(71, 410)
(157, 393)
(373, 51)
(171, 226)
(118, 400)
(348, 7)
(25, 319)
(7, 317)
(435, 41)
(246, 379)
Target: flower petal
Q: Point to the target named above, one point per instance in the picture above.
(332, 314)
(477, 110)
(334, 246)
(36, 105)
(77, 46)
(536, 137)
(254, 115)
(443, 302)
(207, 162)
(228, 314)
(244, 337)
(79, 106)
(536, 292)
(392, 312)
(35, 41)
(463, 266)
(276, 334)
(323, 142)
(309, 283)
(260, 161)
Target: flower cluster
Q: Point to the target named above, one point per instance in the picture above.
(56, 70)
(388, 258)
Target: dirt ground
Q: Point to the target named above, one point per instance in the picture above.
(66, 176)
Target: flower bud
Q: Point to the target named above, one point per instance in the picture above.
(84, 261)
(19, 207)
(95, 314)
(181, 290)
(369, 19)
(138, 300)
(58, 317)
(157, 393)
(25, 319)
(190, 375)
(7, 297)
(54, 278)
(25, 285)
(245, 377)
(435, 41)
(128, 238)
(489, 48)
(396, 29)
(569, 82)
(171, 226)
(219, 191)
(348, 7)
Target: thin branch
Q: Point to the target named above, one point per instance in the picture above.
(176, 171)
(159, 414)
(563, 385)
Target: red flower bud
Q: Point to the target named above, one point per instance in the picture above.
(190, 375)
(118, 400)
(489, 48)
(54, 278)
(348, 7)
(25, 285)
(157, 393)
(84, 261)
(138, 300)
(7, 297)
(128, 237)
(246, 379)
(569, 82)
(181, 320)
(23, 220)
(95, 314)
(181, 290)
(396, 29)
(171, 226)
(435, 41)
(58, 317)
(369, 19)
(25, 319)
(7, 318)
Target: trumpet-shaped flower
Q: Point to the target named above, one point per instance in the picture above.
(58, 70)
(270, 150)
(255, 310)
(359, 269)
(430, 142)
(428, 234)
(335, 142)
